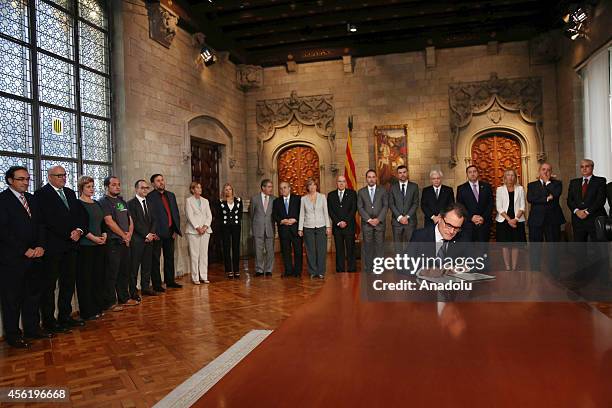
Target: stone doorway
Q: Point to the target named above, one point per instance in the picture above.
(493, 153)
(297, 164)
(205, 158)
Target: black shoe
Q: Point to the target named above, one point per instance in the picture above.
(148, 292)
(298, 275)
(268, 273)
(236, 275)
(90, 318)
(174, 285)
(259, 274)
(39, 334)
(160, 289)
(18, 342)
(58, 329)
(70, 322)
(137, 298)
(230, 275)
(320, 277)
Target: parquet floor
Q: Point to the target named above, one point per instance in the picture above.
(135, 357)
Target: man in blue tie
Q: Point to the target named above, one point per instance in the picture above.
(285, 213)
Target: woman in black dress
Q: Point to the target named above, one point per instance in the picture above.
(231, 213)
(510, 203)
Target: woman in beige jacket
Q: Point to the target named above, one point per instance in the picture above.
(199, 220)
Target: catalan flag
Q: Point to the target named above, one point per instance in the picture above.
(349, 170)
(349, 164)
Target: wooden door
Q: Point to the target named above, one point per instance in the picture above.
(493, 154)
(296, 165)
(205, 159)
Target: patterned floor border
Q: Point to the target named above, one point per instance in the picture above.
(186, 394)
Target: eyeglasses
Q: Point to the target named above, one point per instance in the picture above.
(22, 179)
(61, 175)
(451, 227)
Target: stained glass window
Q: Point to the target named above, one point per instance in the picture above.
(55, 89)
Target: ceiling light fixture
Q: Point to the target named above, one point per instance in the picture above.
(351, 28)
(208, 55)
(576, 22)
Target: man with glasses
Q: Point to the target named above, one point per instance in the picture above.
(65, 222)
(586, 200)
(21, 250)
(446, 234)
(145, 225)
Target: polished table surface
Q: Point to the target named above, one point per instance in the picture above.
(339, 350)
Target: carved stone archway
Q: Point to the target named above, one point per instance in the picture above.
(294, 113)
(496, 97)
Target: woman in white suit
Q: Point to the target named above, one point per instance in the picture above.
(199, 220)
(510, 204)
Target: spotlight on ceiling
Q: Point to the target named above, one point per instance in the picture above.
(576, 22)
(208, 55)
(351, 28)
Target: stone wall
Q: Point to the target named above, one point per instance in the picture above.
(159, 92)
(400, 89)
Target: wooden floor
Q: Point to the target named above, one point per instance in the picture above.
(135, 357)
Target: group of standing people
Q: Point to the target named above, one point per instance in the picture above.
(56, 238)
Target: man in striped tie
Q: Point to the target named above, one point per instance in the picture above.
(21, 249)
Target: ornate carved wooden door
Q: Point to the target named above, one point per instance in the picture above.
(296, 165)
(493, 154)
(205, 159)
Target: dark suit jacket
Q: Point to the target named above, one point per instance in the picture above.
(542, 211)
(279, 214)
(58, 220)
(143, 225)
(19, 232)
(593, 202)
(482, 207)
(609, 192)
(404, 205)
(157, 210)
(423, 242)
(344, 211)
(377, 209)
(432, 206)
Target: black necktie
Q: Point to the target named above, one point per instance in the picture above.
(146, 210)
(437, 193)
(403, 189)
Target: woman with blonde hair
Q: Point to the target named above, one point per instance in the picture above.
(231, 211)
(510, 204)
(199, 220)
(315, 226)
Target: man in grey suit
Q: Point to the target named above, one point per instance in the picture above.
(372, 204)
(263, 229)
(403, 202)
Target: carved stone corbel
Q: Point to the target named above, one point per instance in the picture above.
(249, 77)
(162, 23)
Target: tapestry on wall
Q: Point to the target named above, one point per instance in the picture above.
(391, 152)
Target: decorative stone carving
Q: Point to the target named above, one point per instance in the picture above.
(316, 110)
(162, 23)
(523, 95)
(232, 162)
(495, 114)
(249, 77)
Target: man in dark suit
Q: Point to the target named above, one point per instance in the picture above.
(141, 246)
(342, 207)
(609, 194)
(435, 198)
(21, 248)
(545, 218)
(165, 209)
(446, 234)
(403, 203)
(372, 204)
(586, 199)
(477, 197)
(286, 213)
(65, 220)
